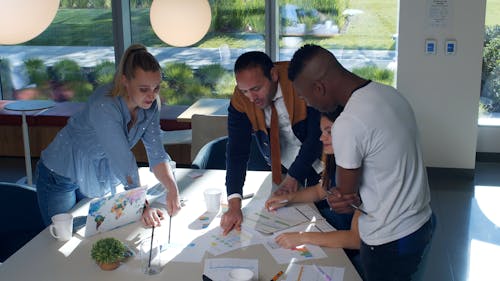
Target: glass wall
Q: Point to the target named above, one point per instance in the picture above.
(77, 52)
(67, 61)
(361, 33)
(489, 106)
(205, 68)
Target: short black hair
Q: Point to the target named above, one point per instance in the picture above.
(300, 56)
(254, 59)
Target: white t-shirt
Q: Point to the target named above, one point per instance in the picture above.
(377, 132)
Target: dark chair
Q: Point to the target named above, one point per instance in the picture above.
(213, 156)
(20, 217)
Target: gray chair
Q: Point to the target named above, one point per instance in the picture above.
(213, 156)
(20, 217)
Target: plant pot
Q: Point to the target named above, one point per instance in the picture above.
(109, 266)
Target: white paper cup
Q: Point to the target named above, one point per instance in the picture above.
(240, 274)
(212, 199)
(62, 226)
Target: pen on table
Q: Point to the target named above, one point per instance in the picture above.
(206, 278)
(169, 228)
(325, 276)
(247, 196)
(300, 273)
(277, 276)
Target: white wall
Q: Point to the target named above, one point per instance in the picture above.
(443, 90)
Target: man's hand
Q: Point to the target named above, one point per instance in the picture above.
(341, 203)
(288, 185)
(233, 217)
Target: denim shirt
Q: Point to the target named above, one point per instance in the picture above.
(94, 148)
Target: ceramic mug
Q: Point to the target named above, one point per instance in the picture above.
(62, 226)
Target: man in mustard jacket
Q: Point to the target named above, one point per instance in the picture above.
(260, 84)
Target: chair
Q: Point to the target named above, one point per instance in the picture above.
(206, 128)
(20, 217)
(213, 156)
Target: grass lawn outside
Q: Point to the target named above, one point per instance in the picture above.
(373, 29)
(492, 12)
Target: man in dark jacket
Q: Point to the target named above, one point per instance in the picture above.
(262, 85)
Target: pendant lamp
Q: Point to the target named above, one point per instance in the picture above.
(23, 20)
(180, 23)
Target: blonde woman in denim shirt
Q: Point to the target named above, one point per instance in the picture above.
(92, 154)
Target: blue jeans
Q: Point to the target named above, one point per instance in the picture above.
(56, 194)
(397, 260)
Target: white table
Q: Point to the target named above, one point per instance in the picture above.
(24, 106)
(44, 258)
(205, 106)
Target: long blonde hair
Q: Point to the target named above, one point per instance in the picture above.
(136, 56)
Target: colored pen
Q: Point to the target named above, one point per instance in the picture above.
(277, 276)
(323, 273)
(300, 273)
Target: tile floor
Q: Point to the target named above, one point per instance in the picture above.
(466, 244)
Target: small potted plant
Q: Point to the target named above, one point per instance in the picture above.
(108, 253)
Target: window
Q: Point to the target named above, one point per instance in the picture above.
(65, 62)
(206, 68)
(361, 33)
(489, 104)
(77, 52)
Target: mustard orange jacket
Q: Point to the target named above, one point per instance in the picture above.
(245, 119)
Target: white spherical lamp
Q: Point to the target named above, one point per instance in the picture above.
(180, 23)
(23, 20)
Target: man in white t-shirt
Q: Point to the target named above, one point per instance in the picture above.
(377, 153)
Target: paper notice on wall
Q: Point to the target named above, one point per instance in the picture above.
(438, 13)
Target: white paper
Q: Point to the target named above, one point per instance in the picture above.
(220, 244)
(309, 273)
(270, 222)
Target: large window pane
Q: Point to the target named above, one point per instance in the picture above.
(361, 33)
(489, 106)
(204, 69)
(67, 61)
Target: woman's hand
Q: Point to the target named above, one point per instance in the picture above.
(276, 202)
(151, 216)
(289, 240)
(173, 203)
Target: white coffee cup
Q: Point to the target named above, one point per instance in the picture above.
(212, 199)
(240, 274)
(62, 226)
